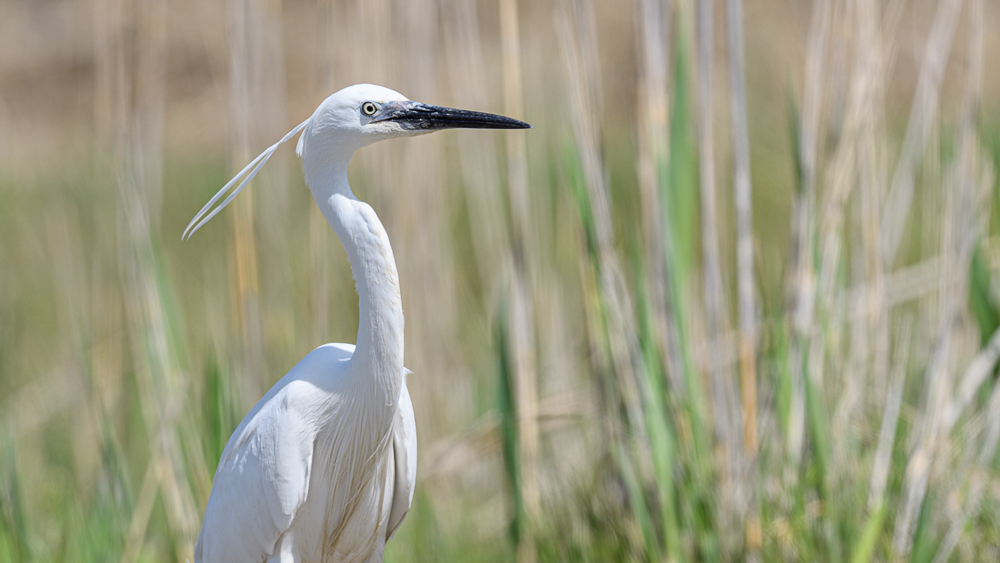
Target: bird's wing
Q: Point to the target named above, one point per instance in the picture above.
(404, 450)
(262, 480)
(263, 476)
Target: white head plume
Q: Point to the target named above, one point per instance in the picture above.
(245, 175)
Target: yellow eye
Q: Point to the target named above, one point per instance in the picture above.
(368, 108)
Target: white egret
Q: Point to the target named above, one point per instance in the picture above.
(323, 467)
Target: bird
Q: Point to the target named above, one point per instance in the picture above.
(323, 467)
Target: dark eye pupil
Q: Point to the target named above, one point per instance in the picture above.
(369, 108)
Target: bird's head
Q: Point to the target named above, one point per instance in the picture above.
(362, 114)
(352, 118)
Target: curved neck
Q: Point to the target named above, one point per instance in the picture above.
(379, 349)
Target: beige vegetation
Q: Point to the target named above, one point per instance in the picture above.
(615, 357)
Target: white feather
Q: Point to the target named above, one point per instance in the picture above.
(256, 164)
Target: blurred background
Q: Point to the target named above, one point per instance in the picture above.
(735, 296)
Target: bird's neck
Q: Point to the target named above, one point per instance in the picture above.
(378, 355)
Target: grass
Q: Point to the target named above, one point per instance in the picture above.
(126, 356)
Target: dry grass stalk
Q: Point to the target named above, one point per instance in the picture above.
(150, 20)
(478, 167)
(959, 233)
(160, 384)
(923, 114)
(965, 190)
(141, 513)
(981, 468)
(902, 285)
(890, 416)
(744, 224)
(522, 325)
(802, 282)
(918, 466)
(977, 177)
(858, 167)
(576, 30)
(726, 411)
(244, 66)
(139, 70)
(976, 374)
(746, 290)
(653, 18)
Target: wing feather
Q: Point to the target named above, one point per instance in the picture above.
(263, 476)
(404, 446)
(259, 486)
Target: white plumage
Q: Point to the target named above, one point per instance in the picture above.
(323, 468)
(267, 502)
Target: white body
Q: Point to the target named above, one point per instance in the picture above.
(323, 468)
(292, 439)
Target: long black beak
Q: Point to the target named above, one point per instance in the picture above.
(422, 117)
